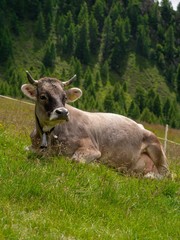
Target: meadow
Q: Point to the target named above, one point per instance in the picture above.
(54, 198)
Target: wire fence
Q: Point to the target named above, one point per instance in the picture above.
(171, 148)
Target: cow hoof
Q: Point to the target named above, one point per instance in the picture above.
(152, 175)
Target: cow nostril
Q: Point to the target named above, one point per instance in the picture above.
(63, 112)
(59, 111)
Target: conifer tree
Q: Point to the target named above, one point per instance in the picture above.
(5, 46)
(120, 44)
(33, 8)
(107, 40)
(93, 34)
(127, 29)
(98, 82)
(71, 40)
(170, 43)
(157, 106)
(166, 110)
(143, 41)
(147, 116)
(60, 25)
(99, 13)
(109, 103)
(82, 49)
(150, 99)
(140, 98)
(154, 16)
(76, 68)
(178, 82)
(133, 111)
(133, 13)
(48, 8)
(105, 73)
(116, 11)
(116, 55)
(50, 56)
(15, 24)
(119, 97)
(166, 11)
(40, 27)
(88, 80)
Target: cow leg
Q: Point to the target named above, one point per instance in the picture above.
(156, 154)
(144, 165)
(86, 155)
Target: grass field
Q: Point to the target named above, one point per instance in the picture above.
(54, 198)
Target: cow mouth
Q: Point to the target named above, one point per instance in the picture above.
(59, 115)
(59, 119)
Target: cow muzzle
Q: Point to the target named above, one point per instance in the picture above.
(59, 114)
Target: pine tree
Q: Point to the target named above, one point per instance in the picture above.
(157, 106)
(88, 81)
(93, 34)
(60, 25)
(127, 29)
(119, 97)
(116, 11)
(140, 98)
(107, 39)
(33, 8)
(133, 111)
(82, 49)
(99, 13)
(178, 82)
(5, 46)
(98, 81)
(166, 11)
(48, 8)
(40, 30)
(50, 56)
(14, 24)
(147, 116)
(133, 13)
(71, 40)
(166, 110)
(170, 43)
(120, 44)
(76, 68)
(105, 73)
(154, 16)
(150, 99)
(19, 7)
(143, 41)
(109, 103)
(116, 55)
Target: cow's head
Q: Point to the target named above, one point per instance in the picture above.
(50, 98)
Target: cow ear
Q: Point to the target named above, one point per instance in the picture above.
(73, 94)
(29, 90)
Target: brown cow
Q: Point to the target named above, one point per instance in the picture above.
(85, 137)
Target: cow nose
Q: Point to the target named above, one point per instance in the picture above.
(62, 112)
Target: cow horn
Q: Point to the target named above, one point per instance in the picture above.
(31, 79)
(69, 81)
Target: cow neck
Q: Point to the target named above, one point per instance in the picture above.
(44, 135)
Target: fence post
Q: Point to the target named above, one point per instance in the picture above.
(165, 138)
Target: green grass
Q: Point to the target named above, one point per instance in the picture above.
(54, 198)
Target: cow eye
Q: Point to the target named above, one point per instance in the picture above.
(64, 98)
(43, 97)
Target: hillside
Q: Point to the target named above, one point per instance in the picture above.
(54, 198)
(125, 53)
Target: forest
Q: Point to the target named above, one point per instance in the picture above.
(126, 53)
